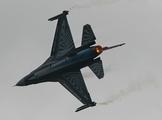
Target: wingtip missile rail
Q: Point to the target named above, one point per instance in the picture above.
(85, 106)
(65, 12)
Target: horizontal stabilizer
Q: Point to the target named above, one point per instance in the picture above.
(86, 106)
(88, 35)
(97, 68)
(58, 16)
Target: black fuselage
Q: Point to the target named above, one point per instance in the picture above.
(49, 71)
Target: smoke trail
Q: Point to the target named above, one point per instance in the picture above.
(93, 3)
(150, 80)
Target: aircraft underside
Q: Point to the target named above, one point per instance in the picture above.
(65, 61)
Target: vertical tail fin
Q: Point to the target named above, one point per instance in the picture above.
(97, 68)
(88, 35)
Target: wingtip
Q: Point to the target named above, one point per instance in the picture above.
(86, 106)
(65, 12)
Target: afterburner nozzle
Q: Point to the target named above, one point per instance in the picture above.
(99, 49)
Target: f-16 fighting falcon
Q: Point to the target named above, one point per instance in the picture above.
(65, 61)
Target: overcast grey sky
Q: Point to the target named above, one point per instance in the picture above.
(131, 88)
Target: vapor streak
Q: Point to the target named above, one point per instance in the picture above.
(150, 80)
(93, 3)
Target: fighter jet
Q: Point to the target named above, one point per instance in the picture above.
(66, 60)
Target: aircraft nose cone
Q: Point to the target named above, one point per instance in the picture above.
(21, 83)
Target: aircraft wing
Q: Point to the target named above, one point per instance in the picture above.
(63, 41)
(74, 83)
